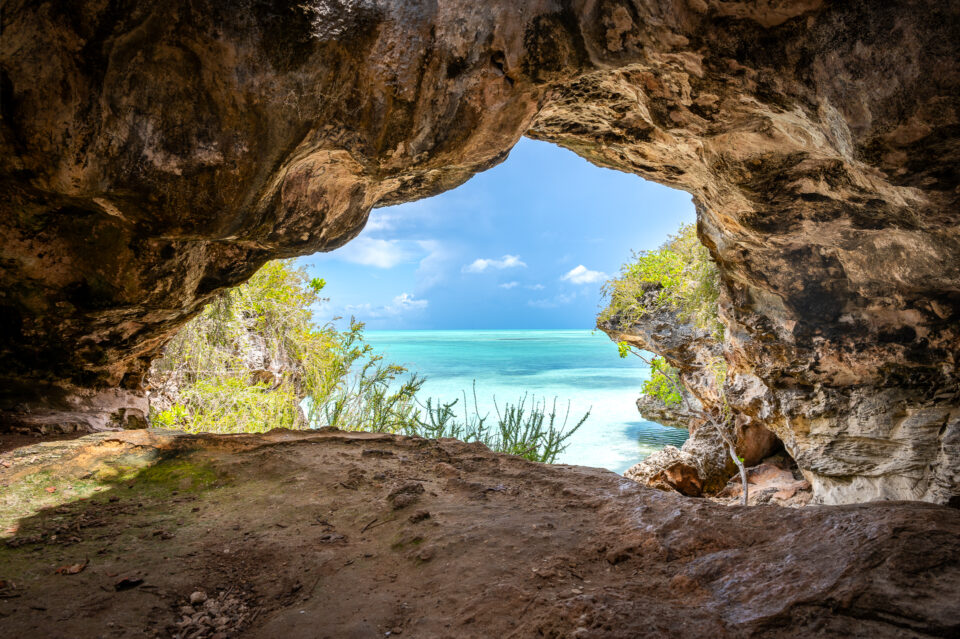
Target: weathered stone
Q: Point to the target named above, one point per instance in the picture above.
(772, 482)
(569, 547)
(152, 153)
(703, 465)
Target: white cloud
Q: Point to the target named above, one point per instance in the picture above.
(380, 222)
(479, 265)
(535, 287)
(509, 285)
(379, 253)
(409, 216)
(405, 302)
(553, 302)
(583, 275)
(436, 265)
(357, 308)
(400, 305)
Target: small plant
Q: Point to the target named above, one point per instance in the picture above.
(358, 390)
(524, 428)
(533, 433)
(664, 382)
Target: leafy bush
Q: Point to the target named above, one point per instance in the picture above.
(245, 362)
(253, 360)
(684, 279)
(664, 383)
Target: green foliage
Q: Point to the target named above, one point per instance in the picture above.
(664, 382)
(682, 274)
(245, 362)
(524, 428)
(365, 392)
(253, 360)
(317, 284)
(230, 405)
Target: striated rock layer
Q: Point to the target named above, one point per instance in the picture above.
(337, 534)
(152, 153)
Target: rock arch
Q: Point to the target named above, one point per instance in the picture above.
(156, 152)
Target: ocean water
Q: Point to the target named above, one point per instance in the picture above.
(579, 366)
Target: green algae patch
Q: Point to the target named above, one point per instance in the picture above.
(403, 541)
(40, 490)
(126, 467)
(148, 477)
(181, 475)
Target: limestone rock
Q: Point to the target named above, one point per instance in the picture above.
(774, 481)
(655, 410)
(703, 465)
(153, 153)
(672, 469)
(570, 547)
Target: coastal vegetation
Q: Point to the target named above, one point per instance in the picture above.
(254, 360)
(680, 278)
(680, 275)
(664, 382)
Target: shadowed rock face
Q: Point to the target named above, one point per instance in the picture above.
(152, 153)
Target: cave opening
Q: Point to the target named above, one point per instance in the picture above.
(156, 154)
(498, 283)
(496, 289)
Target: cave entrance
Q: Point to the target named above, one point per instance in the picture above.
(498, 283)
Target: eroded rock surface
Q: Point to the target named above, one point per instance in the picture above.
(152, 153)
(703, 464)
(299, 534)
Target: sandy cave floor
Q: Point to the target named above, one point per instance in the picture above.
(333, 534)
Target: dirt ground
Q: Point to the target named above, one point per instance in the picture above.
(333, 534)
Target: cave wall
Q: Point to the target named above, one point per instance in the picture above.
(153, 153)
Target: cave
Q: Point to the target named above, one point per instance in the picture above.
(157, 153)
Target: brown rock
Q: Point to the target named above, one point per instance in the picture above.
(772, 482)
(419, 516)
(405, 495)
(704, 464)
(152, 155)
(645, 561)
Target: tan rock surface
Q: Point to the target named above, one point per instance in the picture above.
(293, 534)
(152, 153)
(703, 465)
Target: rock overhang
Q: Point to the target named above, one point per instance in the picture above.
(156, 153)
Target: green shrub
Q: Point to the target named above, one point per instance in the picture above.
(664, 383)
(524, 428)
(683, 275)
(253, 360)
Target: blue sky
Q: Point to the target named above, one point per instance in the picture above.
(527, 244)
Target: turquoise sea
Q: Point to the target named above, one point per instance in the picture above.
(581, 366)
